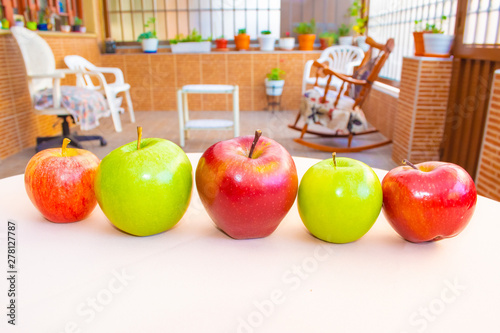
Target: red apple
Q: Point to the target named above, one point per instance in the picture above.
(428, 201)
(247, 188)
(60, 183)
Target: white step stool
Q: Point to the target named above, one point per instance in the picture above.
(206, 124)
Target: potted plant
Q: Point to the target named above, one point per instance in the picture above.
(357, 11)
(77, 25)
(327, 39)
(31, 25)
(287, 42)
(193, 43)
(267, 41)
(18, 22)
(221, 44)
(307, 35)
(275, 82)
(148, 39)
(5, 24)
(436, 42)
(418, 37)
(344, 38)
(42, 23)
(65, 28)
(242, 40)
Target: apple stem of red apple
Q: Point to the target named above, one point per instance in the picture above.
(65, 143)
(258, 133)
(139, 136)
(406, 162)
(334, 155)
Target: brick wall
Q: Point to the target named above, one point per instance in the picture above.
(488, 174)
(156, 77)
(420, 119)
(19, 125)
(380, 109)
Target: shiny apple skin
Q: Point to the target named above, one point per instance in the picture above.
(62, 187)
(434, 202)
(247, 197)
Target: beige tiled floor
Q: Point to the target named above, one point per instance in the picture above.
(164, 124)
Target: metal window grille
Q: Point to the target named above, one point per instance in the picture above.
(482, 23)
(396, 19)
(211, 18)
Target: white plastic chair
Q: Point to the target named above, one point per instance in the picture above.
(340, 58)
(111, 90)
(42, 74)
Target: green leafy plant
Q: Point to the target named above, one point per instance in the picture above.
(333, 36)
(433, 27)
(276, 74)
(221, 37)
(357, 10)
(194, 36)
(150, 24)
(344, 30)
(418, 26)
(41, 18)
(242, 31)
(266, 32)
(305, 28)
(78, 21)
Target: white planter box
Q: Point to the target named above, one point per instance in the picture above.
(274, 87)
(150, 45)
(287, 43)
(191, 47)
(438, 44)
(345, 40)
(267, 42)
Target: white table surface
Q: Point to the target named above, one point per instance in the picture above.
(194, 278)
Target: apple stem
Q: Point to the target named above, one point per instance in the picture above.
(258, 133)
(406, 162)
(139, 136)
(65, 143)
(334, 155)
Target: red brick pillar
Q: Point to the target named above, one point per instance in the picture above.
(488, 171)
(422, 103)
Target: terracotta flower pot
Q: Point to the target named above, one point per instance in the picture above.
(242, 41)
(418, 37)
(221, 43)
(306, 42)
(326, 42)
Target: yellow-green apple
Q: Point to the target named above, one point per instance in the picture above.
(60, 183)
(144, 187)
(428, 201)
(247, 187)
(339, 199)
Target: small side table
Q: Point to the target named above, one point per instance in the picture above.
(206, 124)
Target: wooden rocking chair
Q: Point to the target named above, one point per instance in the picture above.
(364, 87)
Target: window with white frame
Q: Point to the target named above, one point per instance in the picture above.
(211, 18)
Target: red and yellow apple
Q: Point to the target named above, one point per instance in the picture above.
(247, 187)
(60, 183)
(428, 201)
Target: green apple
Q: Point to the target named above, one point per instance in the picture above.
(339, 199)
(144, 187)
